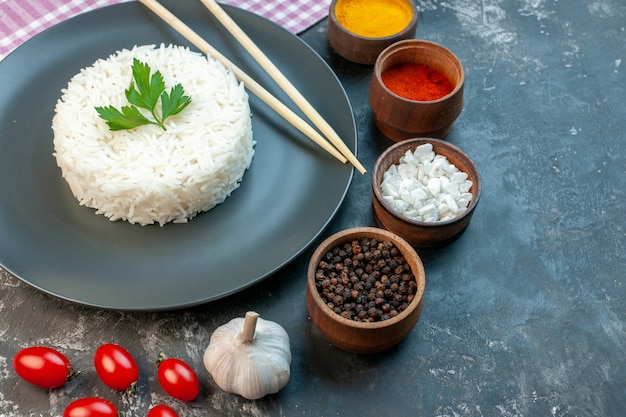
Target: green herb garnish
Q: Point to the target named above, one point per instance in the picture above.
(144, 92)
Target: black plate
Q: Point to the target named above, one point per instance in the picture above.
(291, 192)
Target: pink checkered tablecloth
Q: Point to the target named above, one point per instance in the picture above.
(22, 19)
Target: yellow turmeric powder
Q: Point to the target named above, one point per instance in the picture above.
(374, 18)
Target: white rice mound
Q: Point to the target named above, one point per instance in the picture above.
(146, 175)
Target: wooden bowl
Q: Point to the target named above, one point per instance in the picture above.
(400, 118)
(361, 49)
(423, 234)
(362, 337)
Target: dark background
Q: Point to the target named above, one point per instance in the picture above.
(524, 315)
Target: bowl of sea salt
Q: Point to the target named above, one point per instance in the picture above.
(425, 190)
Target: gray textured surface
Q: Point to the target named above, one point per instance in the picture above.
(524, 315)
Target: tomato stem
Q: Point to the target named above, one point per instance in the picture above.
(132, 389)
(71, 373)
(160, 358)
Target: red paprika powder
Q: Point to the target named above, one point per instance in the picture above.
(417, 82)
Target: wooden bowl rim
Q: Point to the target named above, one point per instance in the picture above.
(347, 234)
(413, 143)
(417, 43)
(401, 34)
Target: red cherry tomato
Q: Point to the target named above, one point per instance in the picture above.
(43, 366)
(90, 407)
(116, 367)
(178, 379)
(161, 411)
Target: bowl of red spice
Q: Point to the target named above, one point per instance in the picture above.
(365, 289)
(416, 90)
(359, 30)
(425, 190)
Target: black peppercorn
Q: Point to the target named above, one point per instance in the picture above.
(365, 280)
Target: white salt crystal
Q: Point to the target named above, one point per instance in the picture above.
(401, 205)
(429, 208)
(419, 194)
(434, 186)
(423, 171)
(451, 188)
(448, 167)
(391, 172)
(431, 217)
(448, 216)
(436, 169)
(458, 177)
(465, 186)
(407, 171)
(451, 203)
(409, 158)
(444, 184)
(405, 195)
(388, 199)
(406, 185)
(388, 189)
(412, 214)
(424, 152)
(443, 209)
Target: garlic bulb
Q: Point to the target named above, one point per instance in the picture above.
(249, 357)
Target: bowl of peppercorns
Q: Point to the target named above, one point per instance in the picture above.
(365, 289)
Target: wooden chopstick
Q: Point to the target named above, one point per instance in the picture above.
(250, 83)
(282, 81)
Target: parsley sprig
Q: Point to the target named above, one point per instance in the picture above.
(144, 92)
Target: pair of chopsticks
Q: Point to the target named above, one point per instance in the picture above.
(339, 150)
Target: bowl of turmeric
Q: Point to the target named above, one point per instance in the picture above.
(359, 30)
(416, 90)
